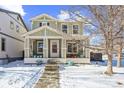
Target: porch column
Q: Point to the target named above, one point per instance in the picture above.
(45, 48)
(28, 48)
(87, 50)
(63, 48)
(25, 51)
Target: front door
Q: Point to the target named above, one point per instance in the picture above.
(54, 48)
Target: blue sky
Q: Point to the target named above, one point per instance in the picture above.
(53, 10)
(34, 10)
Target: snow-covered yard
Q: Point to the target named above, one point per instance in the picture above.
(90, 76)
(18, 75)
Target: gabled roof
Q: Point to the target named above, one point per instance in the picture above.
(7, 11)
(42, 15)
(64, 35)
(40, 28)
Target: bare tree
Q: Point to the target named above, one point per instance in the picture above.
(110, 24)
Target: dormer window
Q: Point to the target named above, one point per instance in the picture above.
(75, 29)
(44, 24)
(64, 28)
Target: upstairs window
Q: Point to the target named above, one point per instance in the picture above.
(3, 44)
(75, 29)
(44, 24)
(64, 28)
(11, 25)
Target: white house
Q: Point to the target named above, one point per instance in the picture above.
(12, 27)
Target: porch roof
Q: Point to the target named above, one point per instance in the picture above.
(64, 35)
(43, 15)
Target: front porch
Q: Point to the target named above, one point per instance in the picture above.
(64, 50)
(46, 43)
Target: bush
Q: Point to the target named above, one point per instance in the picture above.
(39, 62)
(70, 63)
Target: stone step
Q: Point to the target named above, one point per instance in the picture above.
(52, 65)
(46, 80)
(51, 69)
(53, 61)
(41, 85)
(47, 84)
(50, 76)
(52, 72)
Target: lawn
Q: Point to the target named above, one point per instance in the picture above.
(18, 75)
(90, 76)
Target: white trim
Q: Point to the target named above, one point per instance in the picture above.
(37, 47)
(73, 29)
(40, 28)
(43, 37)
(54, 54)
(43, 20)
(32, 45)
(72, 49)
(67, 26)
(43, 15)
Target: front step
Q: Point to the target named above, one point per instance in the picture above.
(50, 77)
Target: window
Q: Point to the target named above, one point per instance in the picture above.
(44, 24)
(75, 29)
(40, 24)
(64, 28)
(40, 47)
(72, 47)
(11, 25)
(54, 47)
(3, 45)
(17, 28)
(69, 47)
(48, 24)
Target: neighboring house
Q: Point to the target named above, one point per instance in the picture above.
(54, 38)
(11, 42)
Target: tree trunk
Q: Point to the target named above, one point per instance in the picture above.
(109, 70)
(119, 56)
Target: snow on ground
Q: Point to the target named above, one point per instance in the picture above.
(90, 76)
(18, 75)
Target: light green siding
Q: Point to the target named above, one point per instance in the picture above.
(39, 33)
(51, 33)
(42, 33)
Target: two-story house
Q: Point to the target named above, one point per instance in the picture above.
(11, 42)
(53, 38)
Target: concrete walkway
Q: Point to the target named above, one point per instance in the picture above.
(50, 77)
